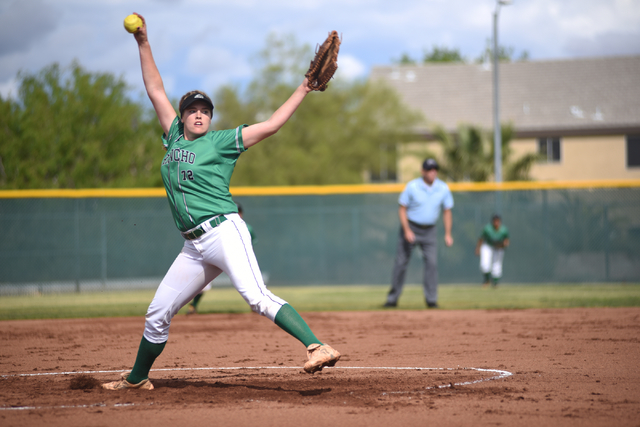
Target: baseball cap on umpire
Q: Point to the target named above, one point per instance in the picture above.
(194, 98)
(430, 164)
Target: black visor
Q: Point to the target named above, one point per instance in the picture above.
(194, 98)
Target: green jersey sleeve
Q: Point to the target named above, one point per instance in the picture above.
(176, 132)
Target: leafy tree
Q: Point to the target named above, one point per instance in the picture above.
(436, 54)
(468, 154)
(442, 54)
(332, 138)
(505, 54)
(71, 128)
(405, 59)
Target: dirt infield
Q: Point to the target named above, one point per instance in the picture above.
(573, 367)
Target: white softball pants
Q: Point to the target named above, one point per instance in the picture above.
(227, 248)
(491, 260)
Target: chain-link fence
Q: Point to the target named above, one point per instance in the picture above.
(557, 235)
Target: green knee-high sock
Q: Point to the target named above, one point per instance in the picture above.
(487, 277)
(196, 299)
(290, 321)
(147, 354)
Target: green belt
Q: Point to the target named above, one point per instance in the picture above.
(199, 231)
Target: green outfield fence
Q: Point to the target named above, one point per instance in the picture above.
(81, 240)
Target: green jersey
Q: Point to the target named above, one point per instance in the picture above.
(196, 174)
(494, 237)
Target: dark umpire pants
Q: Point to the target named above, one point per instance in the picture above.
(427, 239)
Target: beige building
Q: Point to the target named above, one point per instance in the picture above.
(583, 115)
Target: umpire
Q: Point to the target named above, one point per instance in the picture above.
(420, 205)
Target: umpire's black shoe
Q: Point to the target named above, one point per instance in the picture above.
(432, 304)
(390, 304)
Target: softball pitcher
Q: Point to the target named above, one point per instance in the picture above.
(490, 247)
(196, 171)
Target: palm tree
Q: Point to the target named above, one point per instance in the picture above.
(467, 155)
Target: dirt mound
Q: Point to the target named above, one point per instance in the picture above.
(569, 367)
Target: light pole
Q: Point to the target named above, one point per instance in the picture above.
(497, 135)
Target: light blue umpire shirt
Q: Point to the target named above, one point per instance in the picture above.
(424, 202)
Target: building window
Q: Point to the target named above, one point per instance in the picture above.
(549, 149)
(633, 150)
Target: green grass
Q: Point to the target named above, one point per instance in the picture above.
(330, 298)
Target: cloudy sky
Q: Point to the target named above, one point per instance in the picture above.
(207, 43)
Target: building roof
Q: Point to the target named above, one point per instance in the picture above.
(576, 96)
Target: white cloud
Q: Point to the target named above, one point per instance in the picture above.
(568, 28)
(202, 60)
(349, 67)
(24, 23)
(207, 43)
(209, 67)
(612, 43)
(9, 89)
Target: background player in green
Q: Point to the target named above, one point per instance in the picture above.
(193, 305)
(491, 244)
(196, 171)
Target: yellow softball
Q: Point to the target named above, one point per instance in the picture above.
(132, 22)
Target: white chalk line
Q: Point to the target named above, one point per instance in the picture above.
(500, 375)
(93, 405)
